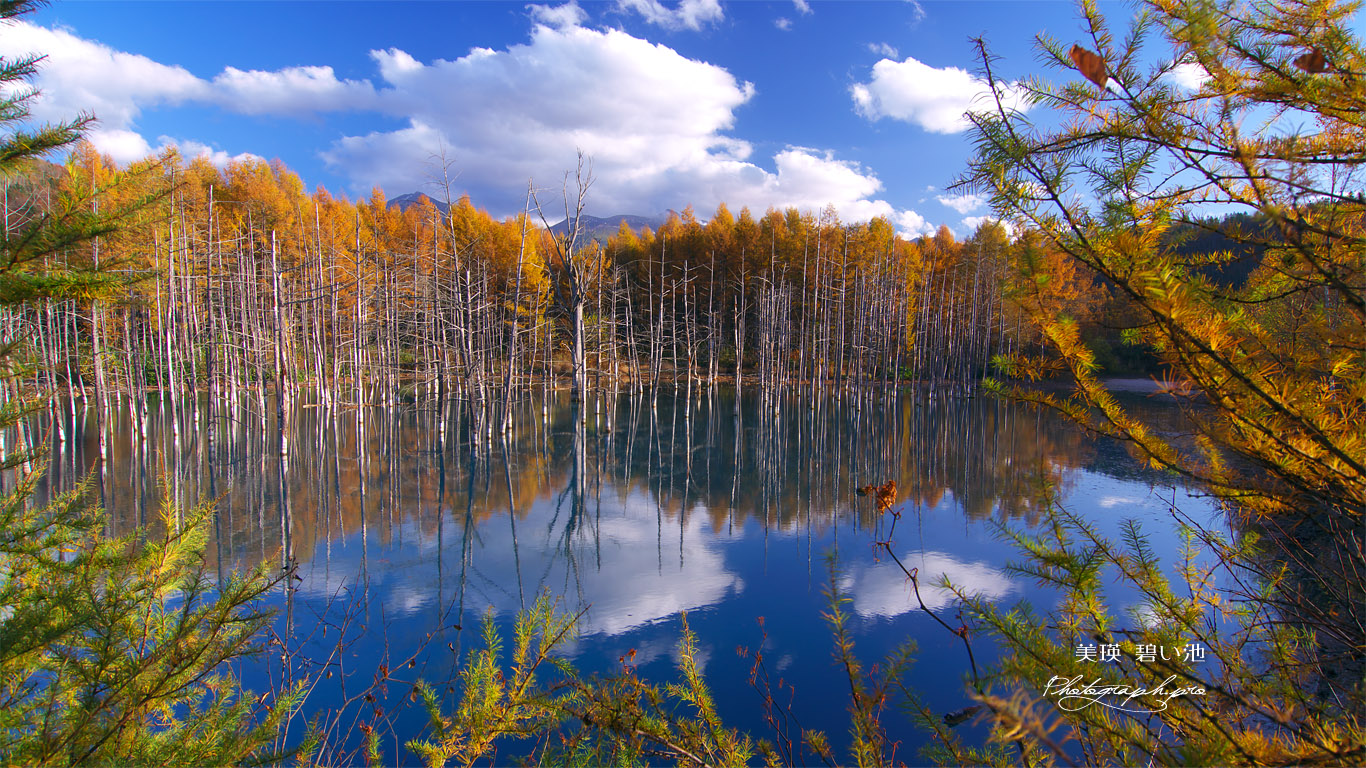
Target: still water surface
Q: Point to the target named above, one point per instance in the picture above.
(404, 532)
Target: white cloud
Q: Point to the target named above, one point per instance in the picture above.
(293, 90)
(80, 75)
(126, 146)
(971, 223)
(690, 14)
(964, 204)
(559, 16)
(783, 23)
(220, 158)
(393, 160)
(911, 225)
(1188, 77)
(642, 111)
(802, 6)
(830, 180)
(935, 99)
(655, 122)
(884, 50)
(121, 144)
(83, 76)
(1146, 615)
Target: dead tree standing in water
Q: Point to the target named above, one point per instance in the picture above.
(571, 282)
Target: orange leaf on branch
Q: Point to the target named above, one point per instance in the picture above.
(884, 495)
(1091, 65)
(1313, 62)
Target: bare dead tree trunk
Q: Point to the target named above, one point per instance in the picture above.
(571, 289)
(506, 417)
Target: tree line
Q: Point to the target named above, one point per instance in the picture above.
(246, 285)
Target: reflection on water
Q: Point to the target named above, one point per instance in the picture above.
(879, 591)
(724, 508)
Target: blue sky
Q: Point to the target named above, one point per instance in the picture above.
(855, 104)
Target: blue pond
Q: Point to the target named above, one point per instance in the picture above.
(733, 509)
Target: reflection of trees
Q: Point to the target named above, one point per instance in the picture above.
(1316, 561)
(797, 461)
(380, 474)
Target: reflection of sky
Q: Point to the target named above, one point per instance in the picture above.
(881, 589)
(1107, 502)
(625, 564)
(743, 551)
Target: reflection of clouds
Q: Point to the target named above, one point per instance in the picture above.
(881, 589)
(1107, 502)
(1146, 615)
(408, 601)
(630, 584)
(630, 566)
(648, 650)
(701, 655)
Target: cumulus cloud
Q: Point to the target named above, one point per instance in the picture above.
(971, 223)
(82, 76)
(567, 15)
(911, 225)
(289, 91)
(690, 14)
(127, 146)
(192, 149)
(642, 111)
(1188, 77)
(390, 159)
(933, 98)
(655, 122)
(802, 6)
(964, 204)
(783, 23)
(121, 144)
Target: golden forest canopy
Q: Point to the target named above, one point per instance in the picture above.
(252, 229)
(254, 198)
(252, 224)
(243, 205)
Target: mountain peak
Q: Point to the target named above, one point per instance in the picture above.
(601, 228)
(404, 202)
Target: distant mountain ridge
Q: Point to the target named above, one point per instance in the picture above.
(404, 202)
(594, 227)
(601, 228)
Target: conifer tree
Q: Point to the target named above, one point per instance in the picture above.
(1235, 108)
(112, 650)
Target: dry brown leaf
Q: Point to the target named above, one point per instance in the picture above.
(884, 495)
(1091, 65)
(1312, 62)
